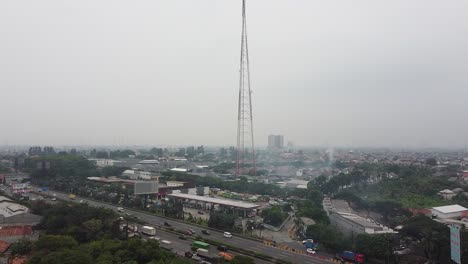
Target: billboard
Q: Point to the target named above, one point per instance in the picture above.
(455, 244)
(146, 187)
(17, 186)
(20, 187)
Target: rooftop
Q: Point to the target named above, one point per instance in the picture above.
(233, 203)
(3, 246)
(455, 208)
(9, 208)
(446, 191)
(179, 169)
(148, 162)
(359, 220)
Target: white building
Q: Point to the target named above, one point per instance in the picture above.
(138, 175)
(447, 194)
(179, 170)
(149, 162)
(296, 184)
(104, 162)
(175, 183)
(449, 211)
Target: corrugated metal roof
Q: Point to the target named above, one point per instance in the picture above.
(455, 208)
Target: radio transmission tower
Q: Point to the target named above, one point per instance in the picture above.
(245, 137)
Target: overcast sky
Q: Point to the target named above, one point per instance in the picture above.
(360, 73)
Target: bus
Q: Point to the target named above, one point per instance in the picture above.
(200, 244)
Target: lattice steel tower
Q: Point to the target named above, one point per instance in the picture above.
(245, 138)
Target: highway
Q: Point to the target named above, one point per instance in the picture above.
(235, 241)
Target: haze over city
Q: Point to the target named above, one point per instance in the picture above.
(360, 73)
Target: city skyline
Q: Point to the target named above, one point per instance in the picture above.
(164, 73)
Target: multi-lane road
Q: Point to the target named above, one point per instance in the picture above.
(236, 241)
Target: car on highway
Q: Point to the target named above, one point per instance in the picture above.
(54, 199)
(191, 230)
(167, 224)
(308, 240)
(310, 251)
(182, 237)
(120, 209)
(222, 248)
(227, 234)
(200, 212)
(188, 254)
(206, 232)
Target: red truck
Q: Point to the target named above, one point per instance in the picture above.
(350, 257)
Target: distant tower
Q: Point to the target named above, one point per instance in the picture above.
(245, 137)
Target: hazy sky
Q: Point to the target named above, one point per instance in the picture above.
(361, 73)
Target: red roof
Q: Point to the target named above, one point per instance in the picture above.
(4, 246)
(18, 260)
(8, 231)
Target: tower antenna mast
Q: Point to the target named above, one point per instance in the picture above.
(245, 137)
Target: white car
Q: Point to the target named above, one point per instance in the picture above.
(227, 234)
(309, 240)
(311, 251)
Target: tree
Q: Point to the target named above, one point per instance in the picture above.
(328, 237)
(158, 152)
(55, 242)
(387, 208)
(181, 152)
(35, 151)
(431, 161)
(191, 152)
(273, 216)
(102, 155)
(223, 153)
(378, 246)
(68, 256)
(200, 150)
(222, 220)
(21, 247)
(242, 260)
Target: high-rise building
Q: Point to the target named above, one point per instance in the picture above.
(275, 141)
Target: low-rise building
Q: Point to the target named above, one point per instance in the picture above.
(353, 224)
(449, 212)
(345, 220)
(104, 162)
(447, 194)
(12, 213)
(139, 175)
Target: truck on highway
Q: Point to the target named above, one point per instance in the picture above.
(350, 256)
(166, 244)
(200, 244)
(206, 255)
(72, 196)
(148, 230)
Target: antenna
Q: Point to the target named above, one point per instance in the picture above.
(245, 137)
